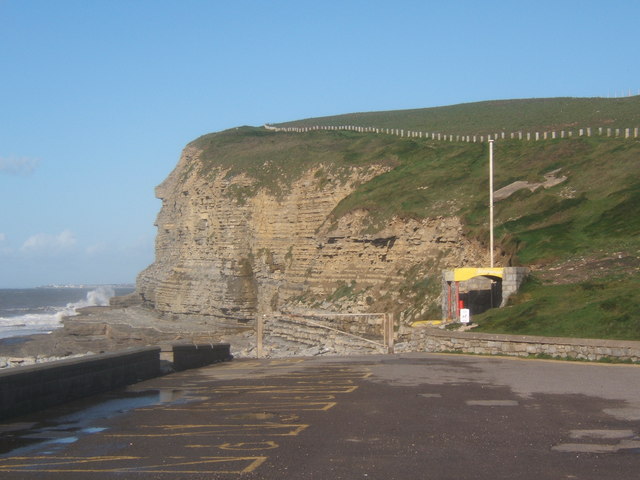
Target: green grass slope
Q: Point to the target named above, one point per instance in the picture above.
(581, 237)
(498, 116)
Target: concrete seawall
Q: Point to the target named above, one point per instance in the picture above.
(34, 387)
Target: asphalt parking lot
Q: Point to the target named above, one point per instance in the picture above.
(372, 417)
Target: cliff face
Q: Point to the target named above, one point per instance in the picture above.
(226, 249)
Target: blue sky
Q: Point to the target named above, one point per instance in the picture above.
(98, 97)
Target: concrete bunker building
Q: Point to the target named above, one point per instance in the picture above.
(478, 289)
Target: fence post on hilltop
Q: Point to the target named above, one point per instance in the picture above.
(617, 132)
(626, 133)
(635, 132)
(588, 131)
(580, 132)
(608, 132)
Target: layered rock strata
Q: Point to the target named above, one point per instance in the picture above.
(231, 257)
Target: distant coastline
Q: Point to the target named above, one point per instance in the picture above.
(89, 285)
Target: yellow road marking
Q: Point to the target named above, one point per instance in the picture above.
(269, 445)
(241, 365)
(275, 430)
(243, 406)
(324, 375)
(6, 463)
(315, 398)
(284, 389)
(174, 465)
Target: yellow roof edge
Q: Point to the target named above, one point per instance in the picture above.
(466, 273)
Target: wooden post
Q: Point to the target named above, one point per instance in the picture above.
(491, 202)
(388, 330)
(259, 335)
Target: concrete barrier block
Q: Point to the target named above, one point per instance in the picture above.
(187, 356)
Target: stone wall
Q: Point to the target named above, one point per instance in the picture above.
(437, 340)
(513, 278)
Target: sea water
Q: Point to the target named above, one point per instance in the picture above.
(40, 310)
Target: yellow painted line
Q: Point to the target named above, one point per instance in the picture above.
(284, 389)
(241, 365)
(313, 398)
(175, 465)
(11, 463)
(286, 361)
(249, 446)
(315, 375)
(342, 382)
(267, 430)
(251, 406)
(327, 372)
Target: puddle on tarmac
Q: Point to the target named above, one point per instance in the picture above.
(54, 428)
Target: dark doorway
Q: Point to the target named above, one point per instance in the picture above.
(481, 294)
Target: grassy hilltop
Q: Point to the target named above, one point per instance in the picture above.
(536, 114)
(580, 237)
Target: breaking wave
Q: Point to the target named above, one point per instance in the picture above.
(44, 319)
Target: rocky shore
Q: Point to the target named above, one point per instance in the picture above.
(124, 325)
(117, 327)
(127, 324)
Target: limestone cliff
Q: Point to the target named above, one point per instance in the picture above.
(228, 247)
